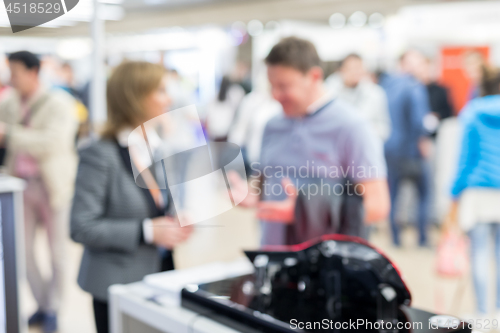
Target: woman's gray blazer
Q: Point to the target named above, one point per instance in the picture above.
(106, 217)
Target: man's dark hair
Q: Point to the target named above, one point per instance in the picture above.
(294, 52)
(351, 56)
(490, 82)
(29, 59)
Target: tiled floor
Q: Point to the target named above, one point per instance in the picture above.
(235, 230)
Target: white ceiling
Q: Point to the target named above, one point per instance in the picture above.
(144, 15)
(169, 4)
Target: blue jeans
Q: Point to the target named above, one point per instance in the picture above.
(480, 240)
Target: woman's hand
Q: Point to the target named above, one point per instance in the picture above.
(451, 220)
(168, 233)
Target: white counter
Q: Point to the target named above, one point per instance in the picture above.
(153, 305)
(138, 307)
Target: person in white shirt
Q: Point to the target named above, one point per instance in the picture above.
(352, 85)
(221, 112)
(256, 109)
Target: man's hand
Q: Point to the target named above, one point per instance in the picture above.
(240, 188)
(168, 233)
(376, 201)
(280, 211)
(425, 146)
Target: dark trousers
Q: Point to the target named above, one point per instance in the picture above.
(167, 261)
(101, 316)
(101, 312)
(396, 175)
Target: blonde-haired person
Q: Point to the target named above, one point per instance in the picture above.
(474, 65)
(119, 223)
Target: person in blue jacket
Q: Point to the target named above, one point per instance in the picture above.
(405, 149)
(476, 189)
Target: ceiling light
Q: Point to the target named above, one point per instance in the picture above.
(337, 21)
(376, 20)
(76, 48)
(240, 26)
(272, 25)
(358, 19)
(255, 28)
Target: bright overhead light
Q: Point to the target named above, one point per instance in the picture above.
(240, 26)
(337, 21)
(376, 20)
(255, 28)
(74, 48)
(358, 19)
(272, 25)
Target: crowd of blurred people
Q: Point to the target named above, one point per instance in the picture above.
(425, 144)
(397, 122)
